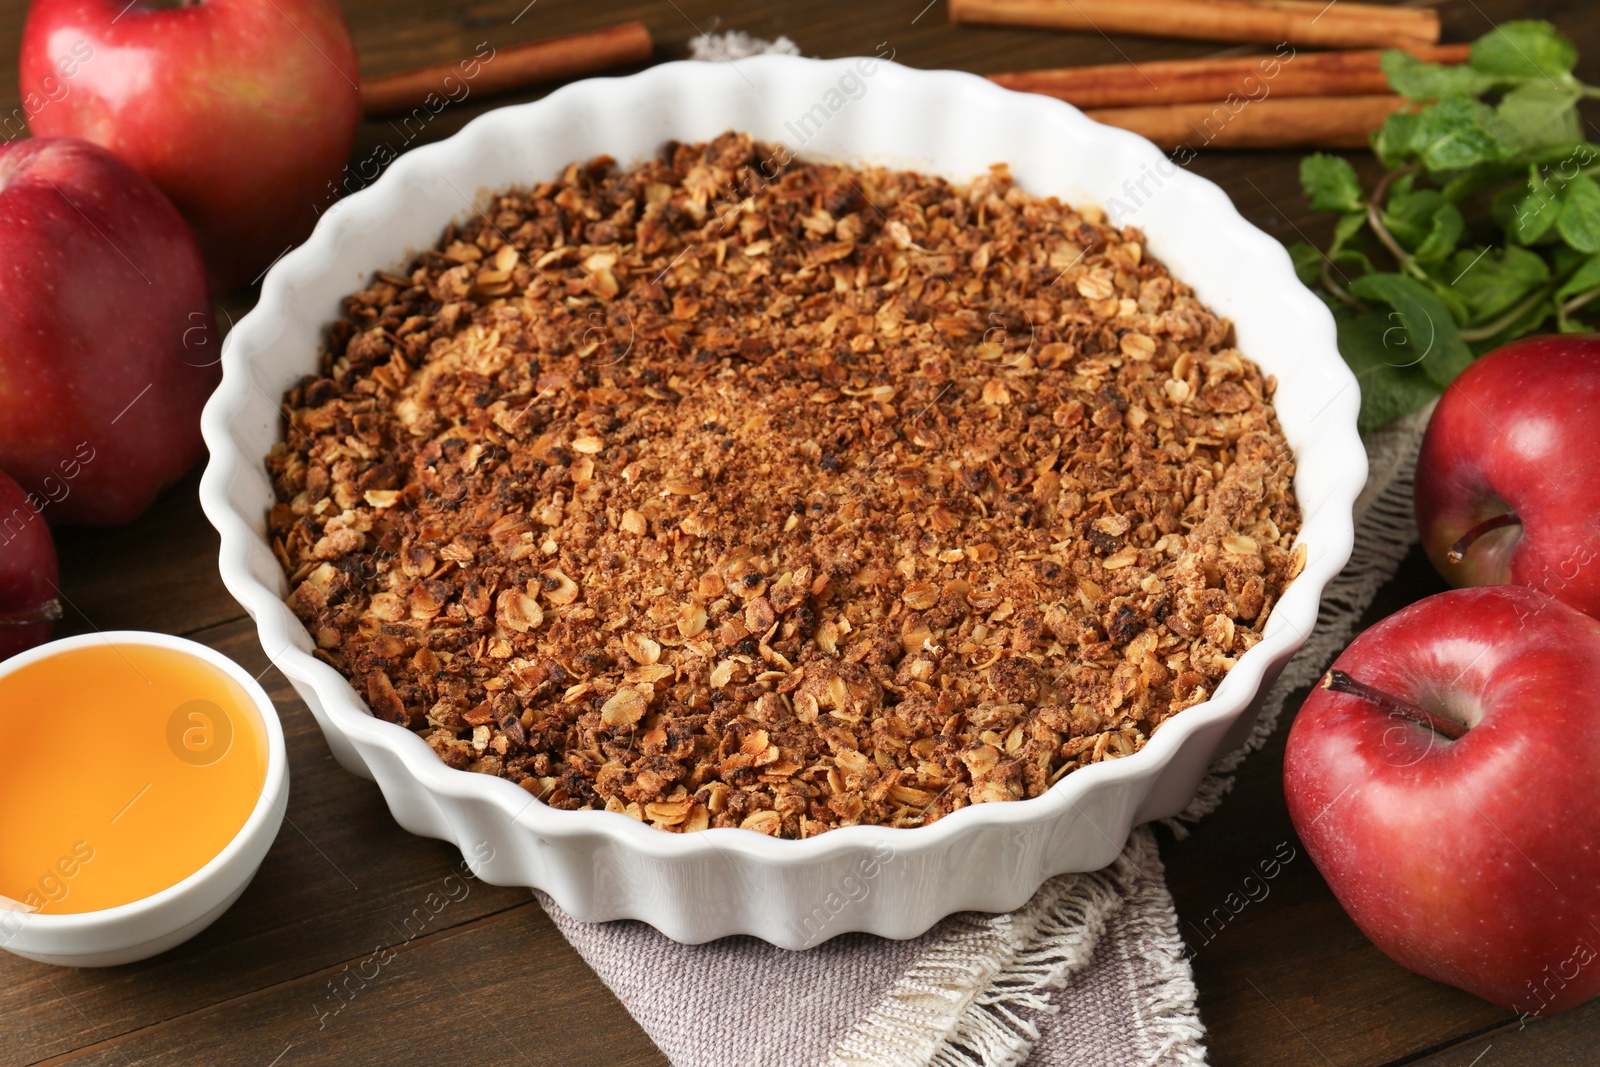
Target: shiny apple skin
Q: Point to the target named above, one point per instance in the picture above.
(27, 567)
(1519, 430)
(108, 350)
(1475, 862)
(242, 111)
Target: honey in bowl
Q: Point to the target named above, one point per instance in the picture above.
(124, 768)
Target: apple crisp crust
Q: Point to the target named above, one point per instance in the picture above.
(720, 492)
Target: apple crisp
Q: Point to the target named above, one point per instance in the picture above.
(728, 492)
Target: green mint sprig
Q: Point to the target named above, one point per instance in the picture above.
(1484, 228)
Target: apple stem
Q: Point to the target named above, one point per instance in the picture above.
(1340, 682)
(49, 611)
(1458, 551)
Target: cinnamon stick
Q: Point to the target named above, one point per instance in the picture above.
(509, 69)
(1299, 122)
(1315, 23)
(1184, 81)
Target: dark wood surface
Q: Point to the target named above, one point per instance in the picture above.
(1288, 980)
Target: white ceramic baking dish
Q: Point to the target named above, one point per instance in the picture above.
(694, 887)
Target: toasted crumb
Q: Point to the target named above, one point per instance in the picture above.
(727, 491)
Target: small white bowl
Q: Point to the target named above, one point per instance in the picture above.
(895, 882)
(162, 920)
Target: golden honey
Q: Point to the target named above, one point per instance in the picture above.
(124, 768)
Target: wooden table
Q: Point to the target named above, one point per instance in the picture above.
(1288, 980)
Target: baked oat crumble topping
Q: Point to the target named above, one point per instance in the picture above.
(722, 493)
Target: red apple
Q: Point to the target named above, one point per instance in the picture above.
(28, 604)
(242, 111)
(1506, 489)
(1444, 784)
(107, 346)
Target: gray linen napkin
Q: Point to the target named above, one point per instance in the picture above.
(974, 989)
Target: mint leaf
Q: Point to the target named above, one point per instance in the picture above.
(1411, 77)
(1459, 309)
(1525, 48)
(1492, 283)
(1579, 221)
(1564, 260)
(1424, 223)
(1409, 214)
(1444, 233)
(1339, 251)
(1421, 331)
(1541, 114)
(1388, 390)
(1457, 133)
(1345, 230)
(1586, 277)
(1531, 214)
(1567, 158)
(1331, 183)
(1307, 261)
(1350, 257)
(1395, 143)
